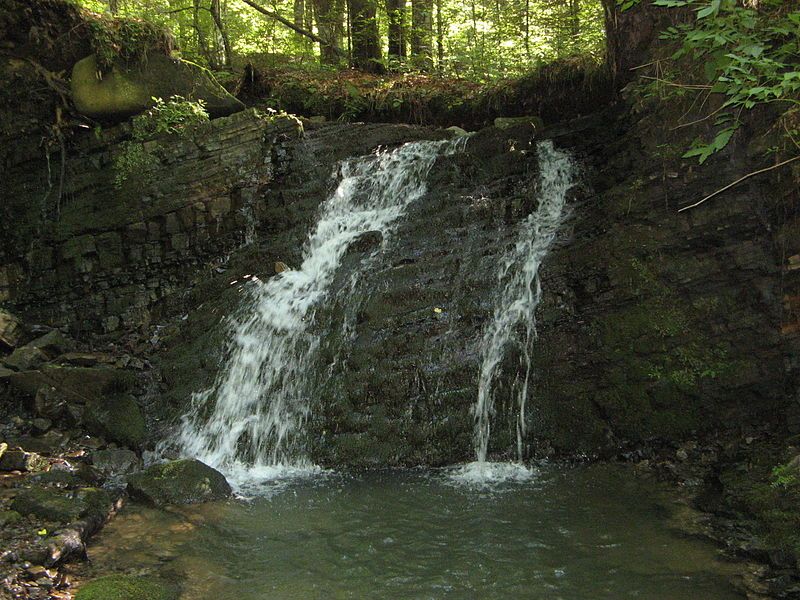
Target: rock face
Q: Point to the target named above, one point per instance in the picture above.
(108, 255)
(179, 482)
(10, 329)
(129, 89)
(116, 417)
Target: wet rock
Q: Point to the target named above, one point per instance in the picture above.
(41, 425)
(457, 131)
(52, 343)
(186, 481)
(26, 358)
(509, 122)
(115, 462)
(62, 506)
(49, 402)
(126, 587)
(117, 418)
(57, 478)
(365, 242)
(280, 267)
(129, 89)
(10, 329)
(19, 460)
(76, 384)
(87, 359)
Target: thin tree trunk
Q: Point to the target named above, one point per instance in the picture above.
(528, 29)
(575, 22)
(202, 43)
(395, 11)
(422, 34)
(216, 14)
(439, 37)
(113, 6)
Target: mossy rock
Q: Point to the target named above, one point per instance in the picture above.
(61, 506)
(117, 418)
(9, 517)
(129, 88)
(186, 481)
(126, 587)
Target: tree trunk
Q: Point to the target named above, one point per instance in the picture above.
(366, 45)
(113, 6)
(439, 37)
(216, 14)
(395, 11)
(202, 43)
(422, 34)
(330, 15)
(575, 22)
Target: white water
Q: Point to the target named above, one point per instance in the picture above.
(249, 424)
(514, 320)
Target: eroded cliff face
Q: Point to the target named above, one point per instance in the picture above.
(82, 252)
(654, 325)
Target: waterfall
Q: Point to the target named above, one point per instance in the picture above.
(513, 320)
(249, 424)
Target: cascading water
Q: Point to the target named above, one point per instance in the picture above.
(249, 424)
(513, 321)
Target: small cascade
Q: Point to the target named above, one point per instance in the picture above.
(513, 321)
(249, 424)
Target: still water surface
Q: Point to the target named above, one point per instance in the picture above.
(589, 533)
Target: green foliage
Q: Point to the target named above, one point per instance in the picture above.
(785, 477)
(749, 53)
(126, 38)
(170, 117)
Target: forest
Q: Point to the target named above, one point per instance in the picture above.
(480, 40)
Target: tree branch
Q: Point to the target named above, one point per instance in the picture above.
(737, 182)
(292, 26)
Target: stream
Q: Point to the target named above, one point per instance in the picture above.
(585, 533)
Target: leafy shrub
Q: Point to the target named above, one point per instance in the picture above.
(171, 117)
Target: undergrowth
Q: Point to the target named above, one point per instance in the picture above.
(173, 116)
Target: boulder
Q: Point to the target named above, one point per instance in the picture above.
(365, 242)
(127, 587)
(26, 358)
(129, 88)
(52, 343)
(49, 402)
(117, 418)
(19, 460)
(115, 462)
(509, 122)
(10, 329)
(62, 506)
(186, 481)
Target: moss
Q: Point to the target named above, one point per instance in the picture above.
(126, 587)
(179, 482)
(61, 506)
(118, 418)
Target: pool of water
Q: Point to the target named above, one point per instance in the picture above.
(587, 533)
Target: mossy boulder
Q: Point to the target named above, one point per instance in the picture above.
(61, 506)
(129, 88)
(117, 418)
(186, 481)
(126, 587)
